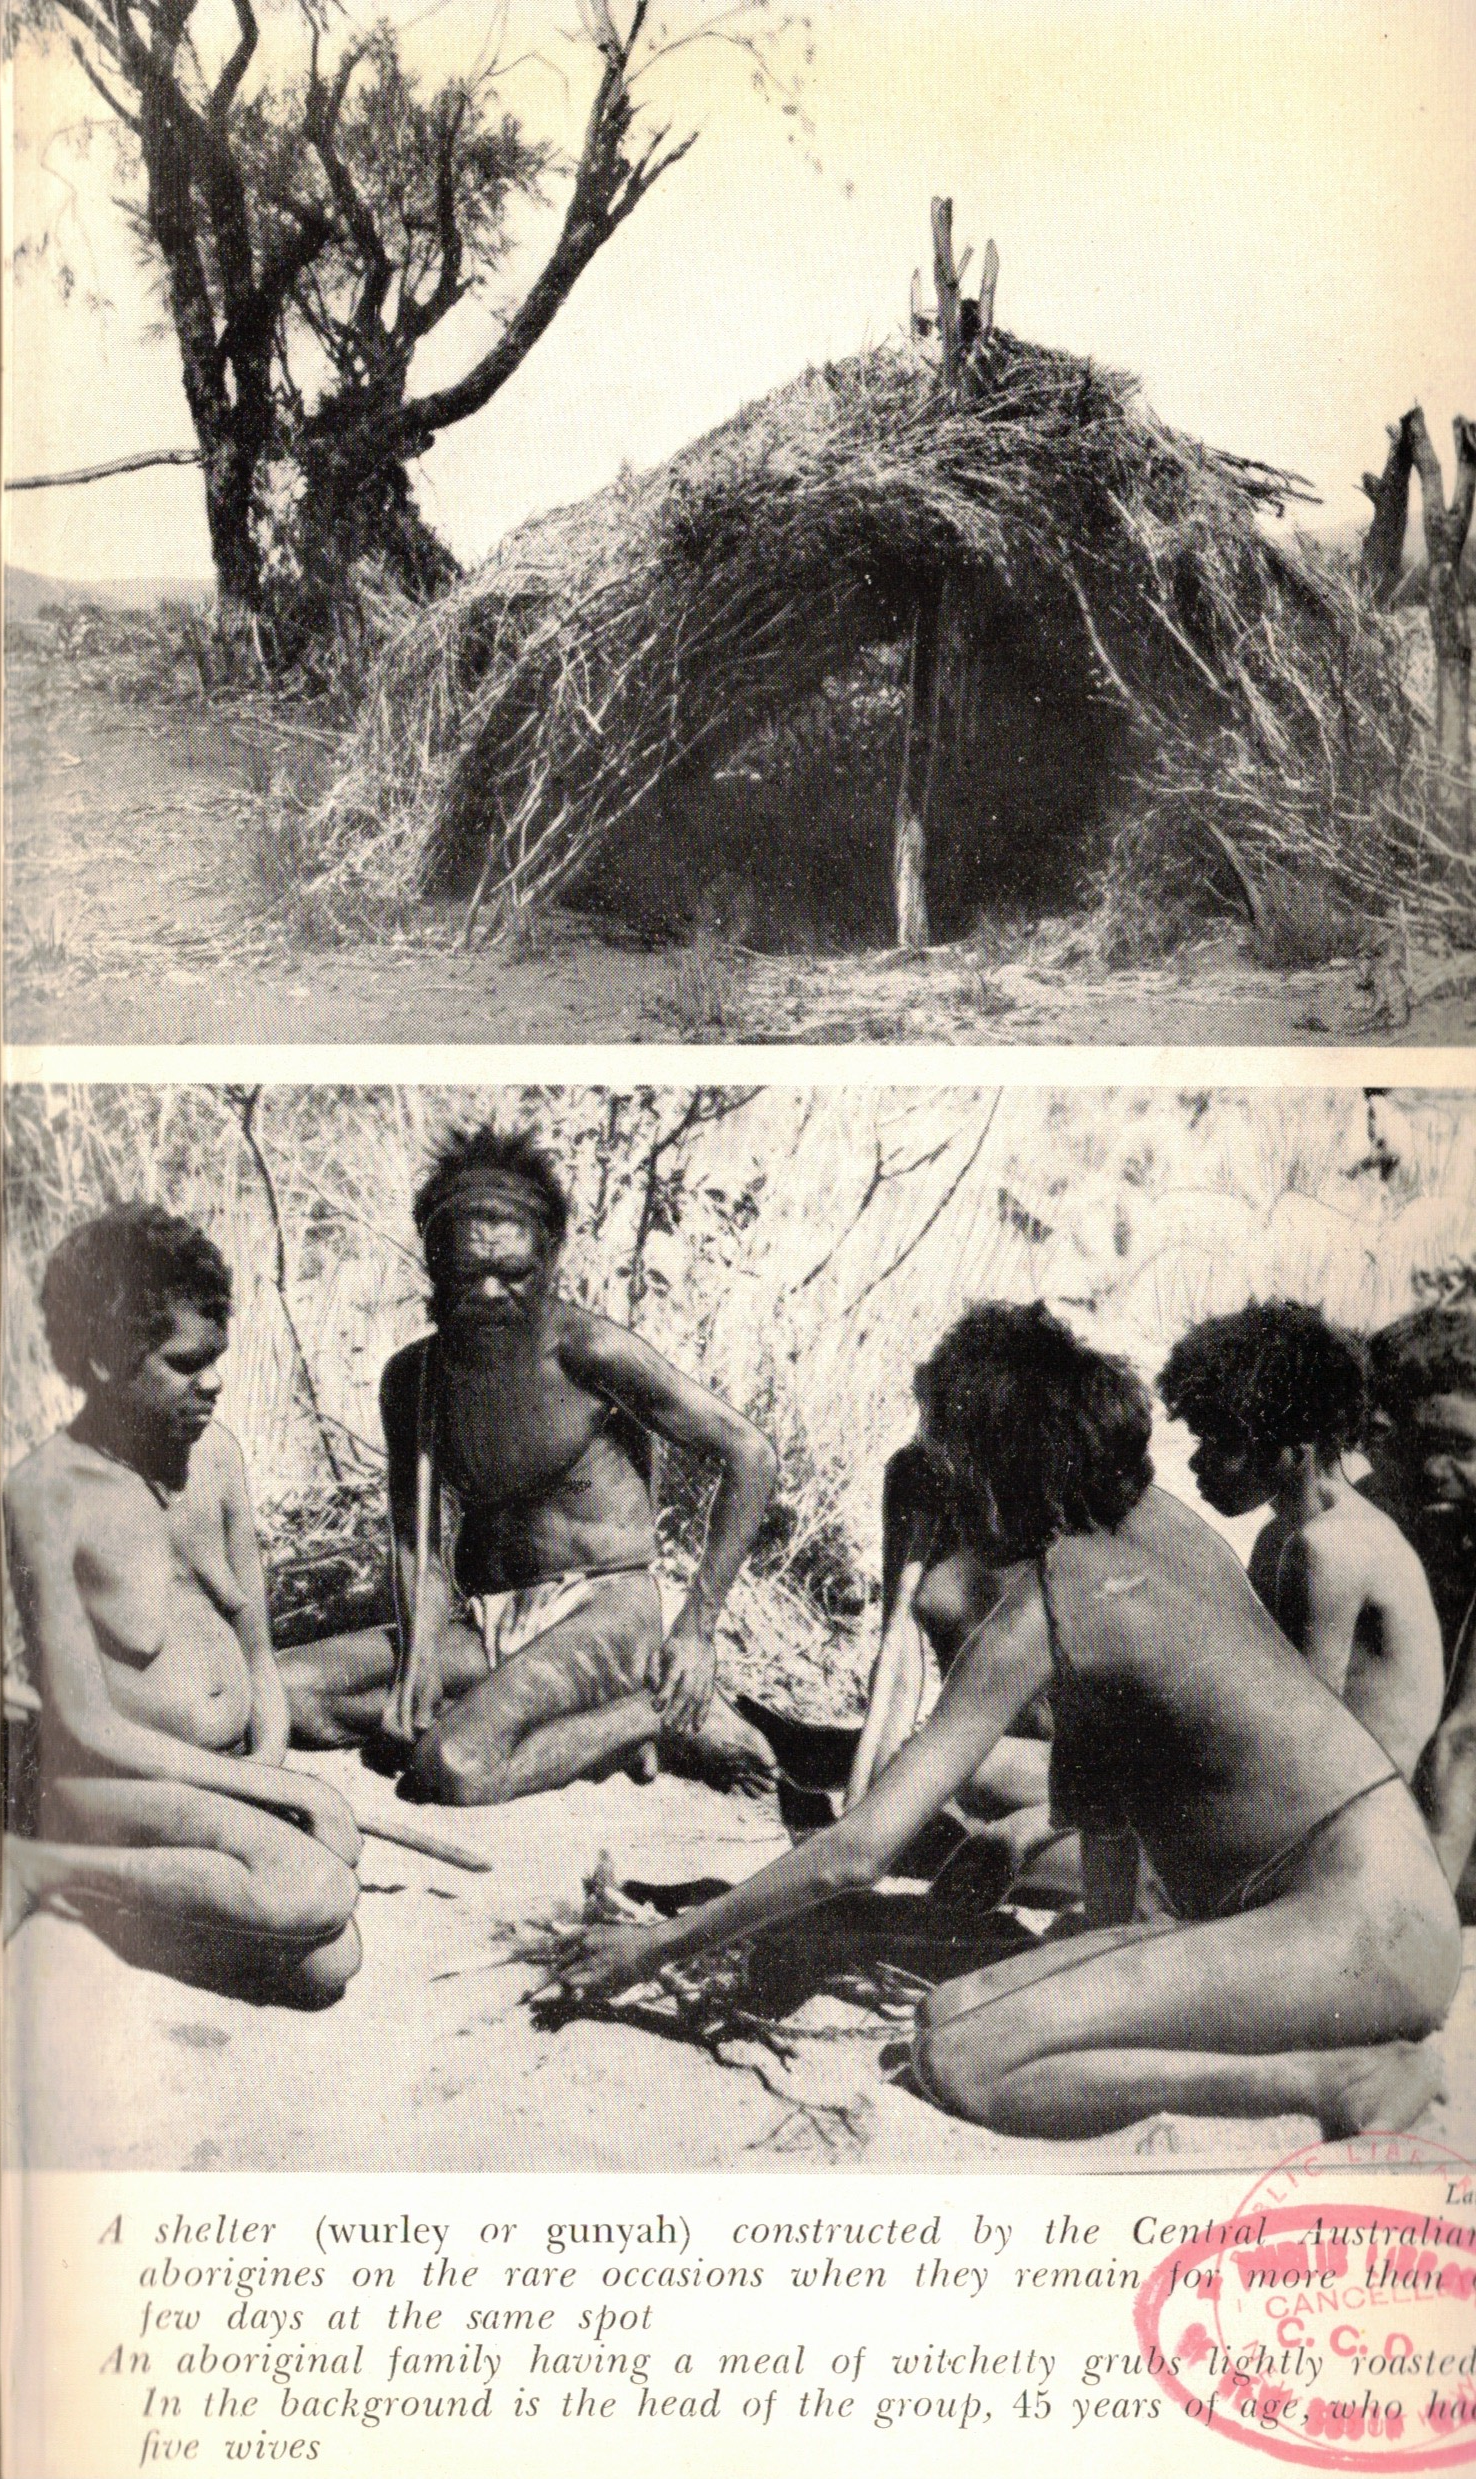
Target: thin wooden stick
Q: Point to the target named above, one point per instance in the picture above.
(432, 1845)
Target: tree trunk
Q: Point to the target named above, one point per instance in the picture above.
(931, 641)
(229, 478)
(1450, 629)
(1446, 530)
(341, 495)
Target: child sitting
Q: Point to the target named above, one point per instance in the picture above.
(1277, 1396)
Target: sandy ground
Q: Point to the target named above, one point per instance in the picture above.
(431, 2062)
(135, 914)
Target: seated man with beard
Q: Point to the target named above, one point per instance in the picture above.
(166, 1814)
(534, 1653)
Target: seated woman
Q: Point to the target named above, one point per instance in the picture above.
(1315, 1947)
(938, 1590)
(935, 1592)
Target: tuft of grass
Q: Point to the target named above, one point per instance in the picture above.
(703, 1001)
(287, 763)
(1306, 922)
(42, 950)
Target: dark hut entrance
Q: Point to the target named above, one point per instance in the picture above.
(788, 846)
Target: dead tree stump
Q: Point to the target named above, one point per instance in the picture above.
(1446, 529)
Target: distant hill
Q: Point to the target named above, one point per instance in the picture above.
(27, 595)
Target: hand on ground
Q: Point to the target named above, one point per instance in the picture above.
(597, 1960)
(413, 1701)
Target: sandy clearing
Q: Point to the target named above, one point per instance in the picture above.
(114, 2067)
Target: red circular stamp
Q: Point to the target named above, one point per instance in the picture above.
(1324, 2321)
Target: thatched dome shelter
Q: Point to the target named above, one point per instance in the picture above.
(1117, 607)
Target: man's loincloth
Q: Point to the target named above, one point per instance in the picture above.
(508, 1622)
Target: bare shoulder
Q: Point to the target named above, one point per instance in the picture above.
(1012, 1642)
(592, 1349)
(1391, 1562)
(41, 1493)
(217, 1458)
(1354, 1544)
(1019, 1614)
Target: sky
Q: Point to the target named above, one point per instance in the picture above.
(1265, 208)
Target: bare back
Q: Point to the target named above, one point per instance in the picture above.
(1350, 1593)
(1182, 1710)
(154, 1580)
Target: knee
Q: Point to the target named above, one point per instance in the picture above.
(323, 1975)
(307, 1896)
(954, 2072)
(315, 1724)
(626, 1635)
(1416, 1970)
(1455, 1740)
(1429, 1962)
(1447, 1764)
(447, 1773)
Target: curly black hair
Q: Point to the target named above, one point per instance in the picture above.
(515, 1153)
(1430, 1351)
(1273, 1374)
(1032, 1419)
(111, 1287)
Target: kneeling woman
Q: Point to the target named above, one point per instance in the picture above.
(1316, 1946)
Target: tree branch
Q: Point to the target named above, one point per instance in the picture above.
(284, 266)
(606, 189)
(129, 119)
(242, 1101)
(321, 123)
(228, 84)
(944, 1201)
(1463, 497)
(1432, 483)
(99, 473)
(100, 28)
(415, 319)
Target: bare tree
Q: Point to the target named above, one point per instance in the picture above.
(312, 223)
(1381, 563)
(1441, 583)
(1446, 529)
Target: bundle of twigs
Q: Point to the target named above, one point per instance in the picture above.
(1320, 800)
(609, 652)
(712, 1999)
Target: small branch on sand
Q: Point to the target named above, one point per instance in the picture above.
(432, 1845)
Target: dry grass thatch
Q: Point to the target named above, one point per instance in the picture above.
(610, 655)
